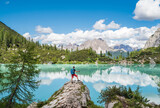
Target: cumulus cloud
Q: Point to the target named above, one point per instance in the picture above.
(147, 10)
(27, 35)
(135, 37)
(41, 29)
(99, 25)
(113, 25)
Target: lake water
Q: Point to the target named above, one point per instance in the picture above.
(98, 77)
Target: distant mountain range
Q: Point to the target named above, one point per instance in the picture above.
(124, 47)
(154, 40)
(99, 45)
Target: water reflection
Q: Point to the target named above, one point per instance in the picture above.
(109, 74)
(98, 77)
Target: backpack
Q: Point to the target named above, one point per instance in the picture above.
(72, 71)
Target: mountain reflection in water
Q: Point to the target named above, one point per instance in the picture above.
(98, 77)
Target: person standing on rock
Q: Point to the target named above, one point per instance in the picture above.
(73, 73)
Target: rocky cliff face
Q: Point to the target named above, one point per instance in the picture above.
(154, 40)
(97, 45)
(71, 95)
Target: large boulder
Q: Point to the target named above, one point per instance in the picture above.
(71, 95)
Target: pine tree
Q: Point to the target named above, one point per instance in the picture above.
(19, 81)
(109, 54)
(0, 72)
(100, 53)
(127, 53)
(1, 37)
(114, 58)
(61, 47)
(77, 48)
(55, 47)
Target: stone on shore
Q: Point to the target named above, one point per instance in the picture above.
(72, 95)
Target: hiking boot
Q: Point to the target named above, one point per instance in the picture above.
(72, 82)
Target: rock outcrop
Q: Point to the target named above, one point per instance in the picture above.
(154, 40)
(71, 95)
(96, 44)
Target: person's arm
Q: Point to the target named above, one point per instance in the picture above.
(76, 71)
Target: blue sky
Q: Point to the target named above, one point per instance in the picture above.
(64, 16)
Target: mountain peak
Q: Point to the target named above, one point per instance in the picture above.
(100, 39)
(124, 47)
(96, 44)
(158, 30)
(154, 40)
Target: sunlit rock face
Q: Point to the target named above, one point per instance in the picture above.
(154, 40)
(97, 45)
(71, 95)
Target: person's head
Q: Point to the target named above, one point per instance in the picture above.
(73, 67)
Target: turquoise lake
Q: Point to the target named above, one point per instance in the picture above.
(98, 77)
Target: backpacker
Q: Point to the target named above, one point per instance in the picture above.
(72, 71)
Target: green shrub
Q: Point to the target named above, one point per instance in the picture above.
(110, 94)
(90, 104)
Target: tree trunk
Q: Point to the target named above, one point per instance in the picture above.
(9, 104)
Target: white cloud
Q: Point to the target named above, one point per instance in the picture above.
(27, 35)
(41, 29)
(100, 86)
(113, 25)
(135, 37)
(99, 25)
(7, 2)
(45, 82)
(147, 10)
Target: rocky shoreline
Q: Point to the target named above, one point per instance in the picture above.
(72, 95)
(76, 95)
